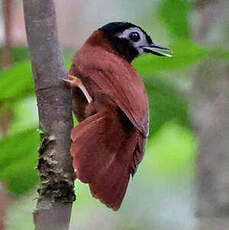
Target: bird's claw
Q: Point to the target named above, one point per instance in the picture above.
(73, 81)
(76, 82)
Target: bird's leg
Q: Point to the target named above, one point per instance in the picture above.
(74, 81)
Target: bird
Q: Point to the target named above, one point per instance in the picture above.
(110, 103)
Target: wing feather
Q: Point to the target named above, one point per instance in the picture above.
(116, 78)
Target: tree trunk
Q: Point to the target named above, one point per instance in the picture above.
(6, 115)
(210, 114)
(56, 192)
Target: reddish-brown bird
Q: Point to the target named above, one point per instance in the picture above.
(111, 105)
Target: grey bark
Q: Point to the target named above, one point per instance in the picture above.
(210, 113)
(56, 192)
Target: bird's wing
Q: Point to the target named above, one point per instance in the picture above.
(104, 164)
(120, 81)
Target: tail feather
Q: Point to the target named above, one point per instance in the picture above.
(102, 149)
(111, 190)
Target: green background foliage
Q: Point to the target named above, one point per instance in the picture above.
(174, 15)
(171, 148)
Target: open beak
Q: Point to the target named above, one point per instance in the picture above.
(157, 50)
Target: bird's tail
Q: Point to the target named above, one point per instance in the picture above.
(102, 149)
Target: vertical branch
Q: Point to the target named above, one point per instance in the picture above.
(5, 120)
(7, 14)
(3, 206)
(6, 115)
(56, 192)
(210, 116)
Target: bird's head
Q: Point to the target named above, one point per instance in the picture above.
(130, 41)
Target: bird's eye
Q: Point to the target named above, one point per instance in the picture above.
(134, 36)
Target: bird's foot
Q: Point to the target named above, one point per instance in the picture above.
(74, 81)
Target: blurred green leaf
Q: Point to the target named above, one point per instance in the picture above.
(174, 15)
(172, 150)
(25, 115)
(18, 159)
(185, 53)
(18, 54)
(68, 63)
(16, 82)
(166, 104)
